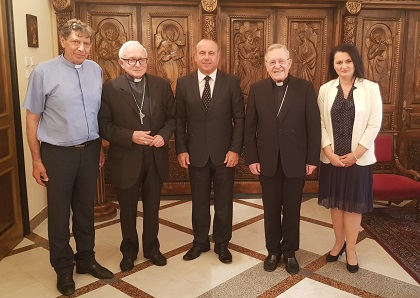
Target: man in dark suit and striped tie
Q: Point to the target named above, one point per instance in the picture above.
(209, 138)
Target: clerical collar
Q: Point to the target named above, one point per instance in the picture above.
(135, 80)
(284, 82)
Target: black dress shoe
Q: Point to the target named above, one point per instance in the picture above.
(126, 264)
(194, 253)
(271, 262)
(158, 259)
(331, 258)
(95, 270)
(352, 268)
(224, 254)
(292, 265)
(65, 284)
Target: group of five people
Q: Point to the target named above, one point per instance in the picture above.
(284, 131)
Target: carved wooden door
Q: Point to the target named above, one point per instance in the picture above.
(392, 59)
(409, 109)
(11, 226)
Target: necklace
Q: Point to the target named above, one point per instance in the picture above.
(282, 101)
(141, 115)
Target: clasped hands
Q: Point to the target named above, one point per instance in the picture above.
(231, 159)
(346, 160)
(144, 138)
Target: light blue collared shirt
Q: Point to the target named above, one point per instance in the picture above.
(68, 106)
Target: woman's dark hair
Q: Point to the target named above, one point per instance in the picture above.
(359, 71)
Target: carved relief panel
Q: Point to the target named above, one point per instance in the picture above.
(248, 34)
(379, 40)
(170, 38)
(307, 34)
(114, 25)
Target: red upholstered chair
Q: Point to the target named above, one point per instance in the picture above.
(391, 181)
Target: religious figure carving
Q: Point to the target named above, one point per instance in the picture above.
(378, 47)
(249, 52)
(306, 52)
(170, 51)
(109, 40)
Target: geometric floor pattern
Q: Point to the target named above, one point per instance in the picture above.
(26, 271)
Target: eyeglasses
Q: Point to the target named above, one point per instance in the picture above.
(132, 61)
(273, 63)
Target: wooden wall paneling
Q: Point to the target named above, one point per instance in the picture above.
(170, 35)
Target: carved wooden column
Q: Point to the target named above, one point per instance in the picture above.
(209, 19)
(63, 12)
(104, 210)
(350, 21)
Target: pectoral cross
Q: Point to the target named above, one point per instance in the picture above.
(141, 116)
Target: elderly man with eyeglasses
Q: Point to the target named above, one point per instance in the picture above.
(137, 118)
(282, 146)
(62, 102)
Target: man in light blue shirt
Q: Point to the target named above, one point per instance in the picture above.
(62, 102)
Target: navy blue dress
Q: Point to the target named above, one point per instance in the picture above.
(350, 188)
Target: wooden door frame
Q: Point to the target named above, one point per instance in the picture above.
(17, 118)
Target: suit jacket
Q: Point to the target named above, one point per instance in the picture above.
(212, 134)
(367, 119)
(119, 117)
(296, 133)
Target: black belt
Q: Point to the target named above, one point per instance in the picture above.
(83, 145)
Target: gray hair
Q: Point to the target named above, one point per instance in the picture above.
(276, 46)
(77, 26)
(128, 43)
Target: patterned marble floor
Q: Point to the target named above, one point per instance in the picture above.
(26, 272)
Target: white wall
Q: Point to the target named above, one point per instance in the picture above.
(43, 10)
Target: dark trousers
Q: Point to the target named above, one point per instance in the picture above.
(148, 187)
(201, 179)
(72, 174)
(280, 193)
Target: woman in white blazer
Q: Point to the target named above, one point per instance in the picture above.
(351, 115)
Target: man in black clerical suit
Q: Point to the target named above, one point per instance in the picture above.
(282, 145)
(137, 117)
(208, 137)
